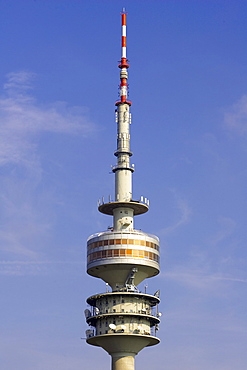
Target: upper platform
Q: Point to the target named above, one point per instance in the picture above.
(138, 208)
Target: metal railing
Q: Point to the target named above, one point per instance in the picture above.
(93, 332)
(95, 311)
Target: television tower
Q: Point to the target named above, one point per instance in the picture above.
(123, 321)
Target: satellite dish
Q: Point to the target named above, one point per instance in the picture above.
(123, 327)
(139, 327)
(96, 310)
(112, 326)
(87, 313)
(157, 294)
(159, 314)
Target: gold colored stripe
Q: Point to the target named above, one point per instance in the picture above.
(143, 243)
(129, 253)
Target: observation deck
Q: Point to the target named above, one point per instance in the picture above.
(112, 254)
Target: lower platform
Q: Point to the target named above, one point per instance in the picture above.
(118, 342)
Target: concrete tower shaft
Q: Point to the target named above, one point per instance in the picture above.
(123, 185)
(124, 216)
(123, 321)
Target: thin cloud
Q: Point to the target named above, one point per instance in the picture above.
(184, 215)
(235, 117)
(204, 274)
(26, 213)
(23, 268)
(19, 82)
(199, 279)
(37, 350)
(227, 228)
(23, 118)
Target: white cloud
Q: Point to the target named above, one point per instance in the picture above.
(200, 279)
(22, 118)
(25, 208)
(39, 351)
(235, 118)
(227, 228)
(184, 215)
(32, 268)
(19, 82)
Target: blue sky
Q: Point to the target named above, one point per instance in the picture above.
(58, 85)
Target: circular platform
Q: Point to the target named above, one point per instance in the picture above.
(123, 342)
(139, 208)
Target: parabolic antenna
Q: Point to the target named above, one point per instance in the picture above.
(157, 293)
(112, 326)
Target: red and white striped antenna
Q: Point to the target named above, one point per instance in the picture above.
(124, 24)
(124, 65)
